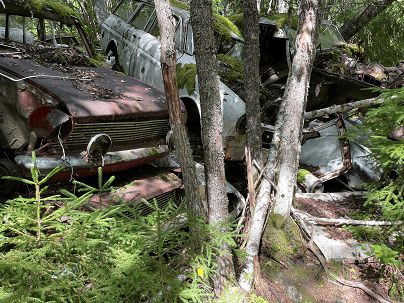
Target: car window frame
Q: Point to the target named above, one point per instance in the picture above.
(154, 23)
(137, 10)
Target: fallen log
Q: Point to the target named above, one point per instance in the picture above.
(343, 107)
(331, 221)
(327, 197)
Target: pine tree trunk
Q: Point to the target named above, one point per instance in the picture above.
(182, 147)
(252, 81)
(212, 125)
(363, 17)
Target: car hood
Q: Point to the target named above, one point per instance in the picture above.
(89, 93)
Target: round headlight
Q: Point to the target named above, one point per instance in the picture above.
(241, 126)
(48, 122)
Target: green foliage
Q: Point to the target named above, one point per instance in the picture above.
(386, 255)
(389, 154)
(179, 4)
(186, 76)
(51, 252)
(384, 35)
(256, 299)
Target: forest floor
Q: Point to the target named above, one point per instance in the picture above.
(305, 280)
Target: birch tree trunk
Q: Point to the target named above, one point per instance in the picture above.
(294, 102)
(285, 146)
(182, 147)
(212, 125)
(363, 17)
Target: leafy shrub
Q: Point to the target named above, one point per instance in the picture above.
(50, 251)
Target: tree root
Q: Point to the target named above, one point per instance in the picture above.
(312, 248)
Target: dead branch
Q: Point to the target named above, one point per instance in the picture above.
(336, 197)
(266, 177)
(337, 222)
(343, 107)
(363, 287)
(251, 189)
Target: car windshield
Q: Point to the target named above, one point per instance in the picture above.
(328, 37)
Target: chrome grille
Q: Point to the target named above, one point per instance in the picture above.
(118, 131)
(162, 201)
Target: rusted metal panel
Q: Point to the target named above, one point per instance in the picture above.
(136, 98)
(145, 187)
(78, 166)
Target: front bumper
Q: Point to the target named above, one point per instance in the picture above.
(78, 166)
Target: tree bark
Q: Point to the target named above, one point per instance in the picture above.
(294, 102)
(182, 147)
(343, 107)
(101, 12)
(252, 82)
(212, 124)
(363, 17)
(285, 145)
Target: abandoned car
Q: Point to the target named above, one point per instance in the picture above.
(56, 103)
(131, 33)
(77, 117)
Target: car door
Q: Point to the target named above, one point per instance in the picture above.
(148, 66)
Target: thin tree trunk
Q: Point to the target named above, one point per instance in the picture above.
(212, 125)
(182, 147)
(294, 102)
(252, 82)
(285, 145)
(363, 17)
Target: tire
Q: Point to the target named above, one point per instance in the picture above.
(8, 168)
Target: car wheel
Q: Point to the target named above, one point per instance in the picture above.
(8, 168)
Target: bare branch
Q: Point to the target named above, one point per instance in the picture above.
(331, 221)
(343, 107)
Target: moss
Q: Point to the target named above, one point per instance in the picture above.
(238, 21)
(280, 241)
(236, 74)
(336, 55)
(94, 62)
(153, 151)
(295, 275)
(282, 20)
(301, 176)
(186, 76)
(351, 49)
(179, 4)
(164, 177)
(62, 10)
(224, 27)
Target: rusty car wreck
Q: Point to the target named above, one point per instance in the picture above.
(76, 117)
(339, 76)
(55, 102)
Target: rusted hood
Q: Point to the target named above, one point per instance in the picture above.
(91, 93)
